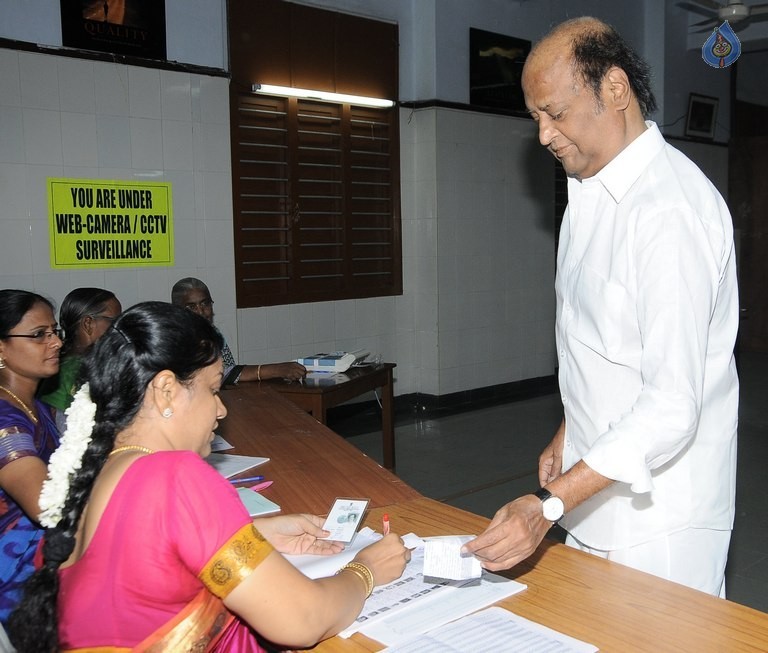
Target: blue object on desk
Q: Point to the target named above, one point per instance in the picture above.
(246, 479)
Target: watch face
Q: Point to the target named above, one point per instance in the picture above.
(553, 508)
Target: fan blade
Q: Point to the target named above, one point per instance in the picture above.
(758, 10)
(697, 9)
(709, 4)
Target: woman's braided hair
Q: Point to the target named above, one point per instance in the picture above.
(148, 338)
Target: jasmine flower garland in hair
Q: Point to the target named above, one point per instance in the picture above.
(68, 458)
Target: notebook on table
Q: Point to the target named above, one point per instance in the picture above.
(256, 504)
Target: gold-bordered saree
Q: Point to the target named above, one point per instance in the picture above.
(204, 621)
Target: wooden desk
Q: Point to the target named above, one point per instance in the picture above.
(327, 391)
(310, 464)
(606, 604)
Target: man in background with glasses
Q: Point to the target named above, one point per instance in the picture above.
(193, 294)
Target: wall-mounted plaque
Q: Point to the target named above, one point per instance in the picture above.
(129, 27)
(495, 68)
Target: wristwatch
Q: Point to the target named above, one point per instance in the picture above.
(552, 507)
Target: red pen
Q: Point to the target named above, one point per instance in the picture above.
(385, 524)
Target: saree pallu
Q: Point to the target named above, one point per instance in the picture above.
(197, 628)
(19, 535)
(135, 588)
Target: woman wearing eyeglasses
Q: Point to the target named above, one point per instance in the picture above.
(85, 314)
(29, 352)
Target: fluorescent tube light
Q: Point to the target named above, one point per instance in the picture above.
(327, 96)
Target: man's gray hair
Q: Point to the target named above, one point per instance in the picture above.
(183, 286)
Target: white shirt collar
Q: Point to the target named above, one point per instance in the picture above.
(623, 171)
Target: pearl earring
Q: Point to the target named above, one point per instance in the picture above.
(167, 413)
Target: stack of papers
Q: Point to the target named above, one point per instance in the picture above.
(220, 444)
(256, 503)
(229, 464)
(489, 631)
(407, 605)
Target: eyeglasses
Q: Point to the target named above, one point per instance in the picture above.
(194, 306)
(39, 337)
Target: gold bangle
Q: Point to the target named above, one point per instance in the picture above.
(362, 572)
(258, 373)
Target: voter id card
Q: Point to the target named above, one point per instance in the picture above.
(344, 518)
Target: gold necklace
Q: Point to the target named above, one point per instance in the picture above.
(130, 447)
(23, 405)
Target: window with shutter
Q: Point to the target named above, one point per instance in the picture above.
(316, 200)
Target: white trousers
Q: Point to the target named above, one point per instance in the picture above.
(694, 557)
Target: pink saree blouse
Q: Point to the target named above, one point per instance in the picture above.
(169, 520)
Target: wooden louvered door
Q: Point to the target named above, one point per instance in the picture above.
(316, 199)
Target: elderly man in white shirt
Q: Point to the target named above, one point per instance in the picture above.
(642, 470)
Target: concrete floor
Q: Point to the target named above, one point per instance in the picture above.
(478, 460)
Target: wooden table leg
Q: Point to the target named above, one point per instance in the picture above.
(319, 410)
(387, 423)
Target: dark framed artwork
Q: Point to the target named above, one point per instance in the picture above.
(702, 116)
(495, 68)
(129, 27)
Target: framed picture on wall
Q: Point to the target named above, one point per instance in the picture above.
(702, 116)
(129, 27)
(495, 68)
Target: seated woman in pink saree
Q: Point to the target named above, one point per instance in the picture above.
(175, 573)
(148, 548)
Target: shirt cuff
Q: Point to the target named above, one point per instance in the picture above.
(620, 461)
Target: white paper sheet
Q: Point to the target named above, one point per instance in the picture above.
(429, 605)
(443, 559)
(220, 444)
(314, 566)
(490, 631)
(412, 603)
(228, 464)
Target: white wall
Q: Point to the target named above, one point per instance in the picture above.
(478, 249)
(65, 117)
(195, 34)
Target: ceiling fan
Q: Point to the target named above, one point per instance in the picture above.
(733, 11)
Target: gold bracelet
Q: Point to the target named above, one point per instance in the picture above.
(362, 572)
(258, 373)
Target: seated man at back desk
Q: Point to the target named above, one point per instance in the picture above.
(193, 294)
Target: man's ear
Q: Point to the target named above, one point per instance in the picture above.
(618, 88)
(162, 390)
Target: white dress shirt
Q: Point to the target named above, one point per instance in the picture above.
(647, 314)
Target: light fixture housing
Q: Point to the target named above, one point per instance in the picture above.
(326, 96)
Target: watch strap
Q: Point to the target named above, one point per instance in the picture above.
(543, 493)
